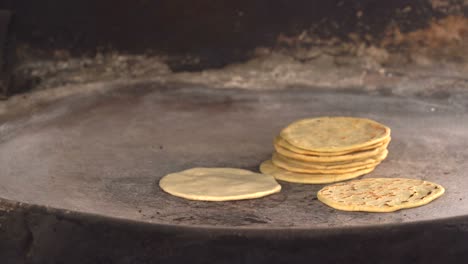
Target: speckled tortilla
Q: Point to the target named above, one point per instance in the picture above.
(330, 134)
(330, 165)
(219, 184)
(267, 167)
(348, 157)
(283, 143)
(379, 194)
(304, 168)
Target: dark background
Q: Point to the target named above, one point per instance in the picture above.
(219, 30)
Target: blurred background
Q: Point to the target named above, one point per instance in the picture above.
(391, 47)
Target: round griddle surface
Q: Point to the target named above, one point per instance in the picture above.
(103, 153)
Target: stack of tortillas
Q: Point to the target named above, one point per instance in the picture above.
(314, 151)
(327, 149)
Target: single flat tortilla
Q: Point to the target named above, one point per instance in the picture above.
(329, 165)
(379, 194)
(283, 143)
(333, 134)
(219, 184)
(348, 157)
(267, 167)
(279, 162)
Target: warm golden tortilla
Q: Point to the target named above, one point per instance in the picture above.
(348, 157)
(279, 162)
(329, 165)
(333, 134)
(267, 167)
(283, 143)
(218, 184)
(379, 194)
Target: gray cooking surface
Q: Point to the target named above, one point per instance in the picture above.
(103, 153)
